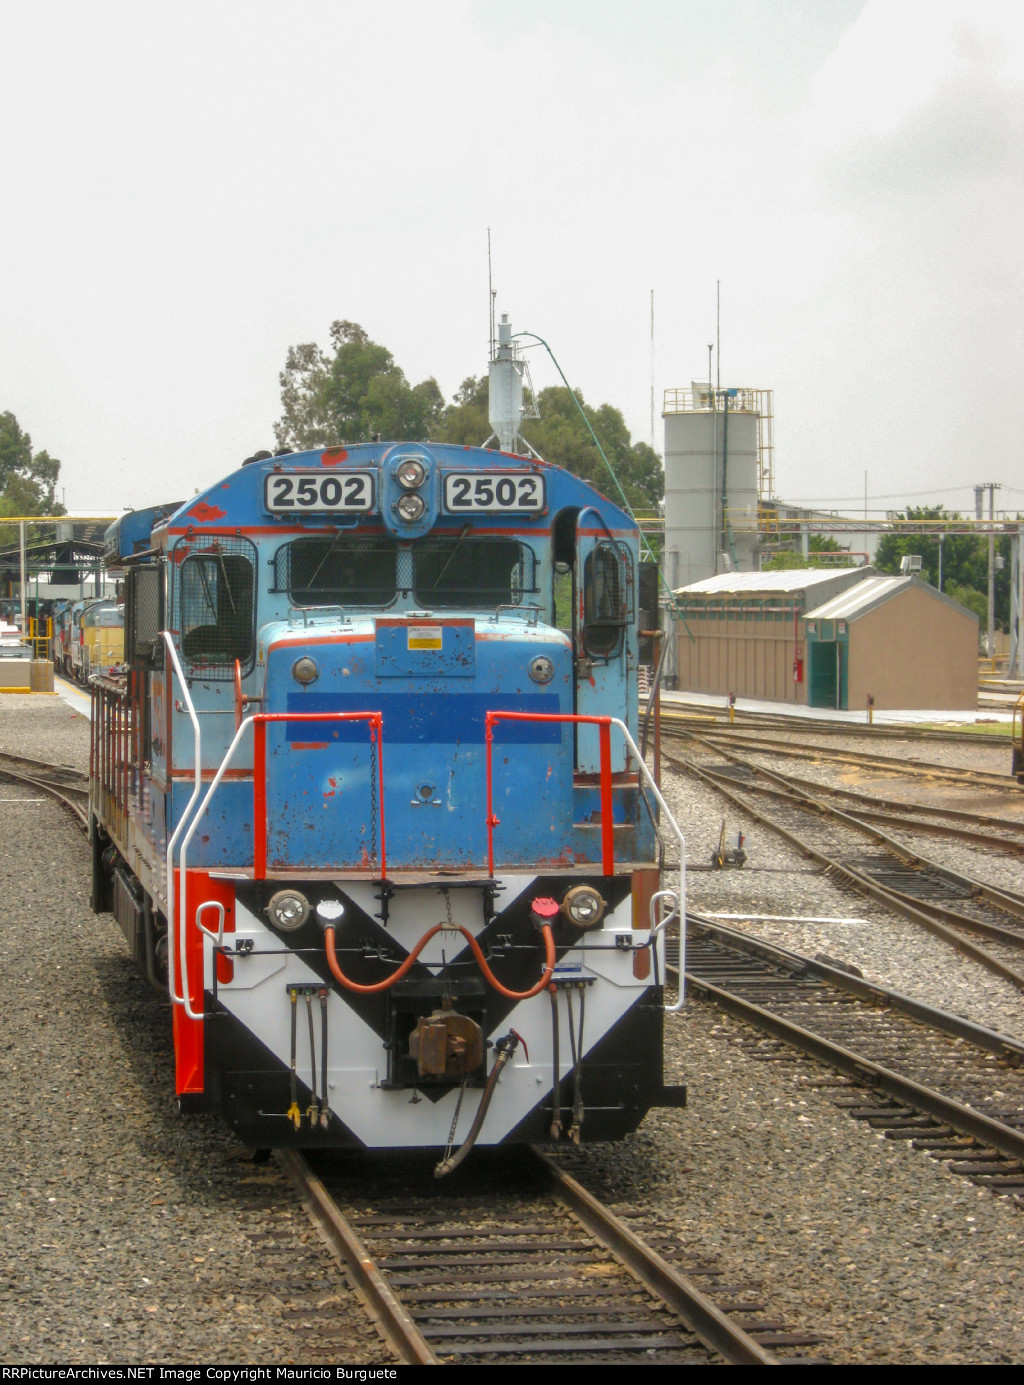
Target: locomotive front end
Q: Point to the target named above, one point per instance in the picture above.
(409, 901)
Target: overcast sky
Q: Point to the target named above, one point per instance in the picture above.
(193, 187)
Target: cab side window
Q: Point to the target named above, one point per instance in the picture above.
(216, 608)
(607, 598)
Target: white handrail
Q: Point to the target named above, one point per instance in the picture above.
(680, 894)
(171, 922)
(215, 783)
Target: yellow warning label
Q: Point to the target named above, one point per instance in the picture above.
(424, 637)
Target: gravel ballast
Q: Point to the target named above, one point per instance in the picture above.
(133, 1234)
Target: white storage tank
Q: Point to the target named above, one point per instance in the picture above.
(713, 449)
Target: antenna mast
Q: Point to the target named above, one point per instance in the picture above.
(652, 370)
(490, 294)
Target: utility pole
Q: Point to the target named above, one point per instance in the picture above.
(991, 487)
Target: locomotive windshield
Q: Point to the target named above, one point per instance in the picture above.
(467, 571)
(342, 571)
(457, 571)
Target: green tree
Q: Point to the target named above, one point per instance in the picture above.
(28, 480)
(465, 421)
(353, 394)
(560, 436)
(972, 599)
(964, 562)
(356, 392)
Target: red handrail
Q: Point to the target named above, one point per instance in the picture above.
(259, 774)
(604, 725)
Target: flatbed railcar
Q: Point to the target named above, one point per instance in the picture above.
(368, 802)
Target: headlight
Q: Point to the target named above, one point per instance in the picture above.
(410, 473)
(583, 907)
(410, 507)
(288, 909)
(305, 670)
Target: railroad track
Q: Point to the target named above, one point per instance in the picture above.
(980, 829)
(69, 787)
(518, 1264)
(892, 874)
(903, 766)
(755, 721)
(953, 1089)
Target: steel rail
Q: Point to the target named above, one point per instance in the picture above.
(698, 1313)
(1003, 899)
(43, 767)
(866, 885)
(1002, 1045)
(889, 764)
(889, 817)
(59, 792)
(704, 1317)
(899, 807)
(782, 721)
(984, 1129)
(398, 1327)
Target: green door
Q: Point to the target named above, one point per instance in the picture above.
(822, 682)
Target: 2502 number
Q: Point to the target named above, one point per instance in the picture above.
(482, 492)
(293, 492)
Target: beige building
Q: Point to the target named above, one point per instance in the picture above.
(828, 637)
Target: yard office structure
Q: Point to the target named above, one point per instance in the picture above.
(827, 637)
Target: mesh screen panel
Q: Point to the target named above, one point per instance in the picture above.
(144, 617)
(649, 611)
(215, 605)
(607, 597)
(337, 572)
(472, 572)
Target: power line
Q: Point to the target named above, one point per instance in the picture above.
(859, 499)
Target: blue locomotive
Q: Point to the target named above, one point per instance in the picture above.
(367, 800)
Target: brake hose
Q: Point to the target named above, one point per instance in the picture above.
(504, 1049)
(556, 1095)
(389, 981)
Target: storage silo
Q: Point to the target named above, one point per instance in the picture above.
(717, 454)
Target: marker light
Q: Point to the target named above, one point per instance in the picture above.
(583, 906)
(288, 909)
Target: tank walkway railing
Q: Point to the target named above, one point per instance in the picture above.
(674, 900)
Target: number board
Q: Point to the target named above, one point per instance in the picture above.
(309, 492)
(507, 492)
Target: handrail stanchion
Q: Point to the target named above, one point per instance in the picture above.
(189, 806)
(258, 722)
(492, 821)
(607, 822)
(259, 799)
(607, 828)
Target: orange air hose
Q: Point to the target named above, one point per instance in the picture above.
(389, 981)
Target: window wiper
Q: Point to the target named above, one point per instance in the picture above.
(227, 583)
(211, 604)
(451, 558)
(326, 554)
